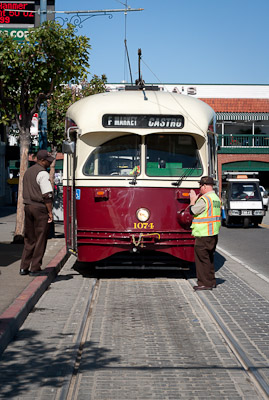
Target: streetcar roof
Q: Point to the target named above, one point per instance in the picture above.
(87, 113)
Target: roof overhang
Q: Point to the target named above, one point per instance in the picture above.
(244, 116)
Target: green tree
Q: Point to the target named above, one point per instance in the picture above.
(29, 73)
(61, 99)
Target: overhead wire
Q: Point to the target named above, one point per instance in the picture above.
(174, 98)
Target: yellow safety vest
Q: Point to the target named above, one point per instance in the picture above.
(208, 222)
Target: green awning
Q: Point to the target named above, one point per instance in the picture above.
(245, 166)
(242, 116)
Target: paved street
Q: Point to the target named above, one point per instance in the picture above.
(250, 246)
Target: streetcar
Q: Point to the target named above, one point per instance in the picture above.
(130, 160)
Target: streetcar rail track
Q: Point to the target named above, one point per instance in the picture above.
(68, 387)
(241, 355)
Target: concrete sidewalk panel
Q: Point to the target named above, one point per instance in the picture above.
(13, 317)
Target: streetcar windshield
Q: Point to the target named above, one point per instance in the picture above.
(172, 155)
(120, 156)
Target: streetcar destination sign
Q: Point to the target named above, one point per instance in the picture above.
(20, 13)
(143, 121)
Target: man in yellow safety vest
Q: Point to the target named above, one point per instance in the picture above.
(206, 208)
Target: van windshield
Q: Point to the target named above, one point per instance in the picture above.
(243, 191)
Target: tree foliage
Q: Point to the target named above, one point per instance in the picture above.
(29, 73)
(62, 98)
(30, 70)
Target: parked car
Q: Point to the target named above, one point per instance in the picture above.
(264, 197)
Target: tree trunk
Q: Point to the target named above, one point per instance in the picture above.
(52, 165)
(24, 152)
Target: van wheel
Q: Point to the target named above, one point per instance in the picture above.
(257, 221)
(227, 221)
(246, 222)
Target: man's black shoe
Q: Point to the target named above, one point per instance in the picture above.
(39, 272)
(24, 271)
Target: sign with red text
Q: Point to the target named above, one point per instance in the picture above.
(17, 14)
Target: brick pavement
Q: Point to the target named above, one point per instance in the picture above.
(148, 339)
(245, 313)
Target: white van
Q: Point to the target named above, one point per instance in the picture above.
(242, 202)
(264, 197)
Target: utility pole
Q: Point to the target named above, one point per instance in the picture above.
(43, 11)
(43, 114)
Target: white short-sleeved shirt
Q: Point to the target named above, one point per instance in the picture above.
(42, 179)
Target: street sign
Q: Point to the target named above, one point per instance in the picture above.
(19, 14)
(19, 34)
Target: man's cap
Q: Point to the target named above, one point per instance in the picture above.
(44, 155)
(206, 180)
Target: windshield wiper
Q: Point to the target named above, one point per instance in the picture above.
(134, 180)
(185, 175)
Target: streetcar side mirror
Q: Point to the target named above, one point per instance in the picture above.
(68, 147)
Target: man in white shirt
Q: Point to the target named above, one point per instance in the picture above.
(38, 201)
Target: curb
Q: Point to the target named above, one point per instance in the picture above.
(14, 316)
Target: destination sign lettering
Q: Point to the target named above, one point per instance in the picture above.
(143, 121)
(21, 13)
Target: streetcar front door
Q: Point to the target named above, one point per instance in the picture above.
(70, 197)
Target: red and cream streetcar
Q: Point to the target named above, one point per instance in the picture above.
(131, 159)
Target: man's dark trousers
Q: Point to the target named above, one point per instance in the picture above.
(35, 238)
(204, 249)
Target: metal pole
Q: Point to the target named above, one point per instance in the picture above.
(43, 11)
(43, 142)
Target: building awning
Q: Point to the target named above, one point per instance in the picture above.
(242, 116)
(245, 166)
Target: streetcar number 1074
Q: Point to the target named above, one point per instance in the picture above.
(143, 225)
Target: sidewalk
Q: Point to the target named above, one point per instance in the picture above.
(19, 294)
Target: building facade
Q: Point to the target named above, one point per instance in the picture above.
(242, 124)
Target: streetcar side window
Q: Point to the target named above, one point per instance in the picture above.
(119, 156)
(212, 155)
(172, 155)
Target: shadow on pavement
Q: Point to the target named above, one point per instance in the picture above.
(7, 210)
(10, 253)
(40, 366)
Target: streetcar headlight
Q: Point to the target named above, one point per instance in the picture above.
(142, 214)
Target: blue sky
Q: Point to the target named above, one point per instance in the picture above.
(182, 41)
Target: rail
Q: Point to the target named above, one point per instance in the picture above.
(242, 140)
(247, 363)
